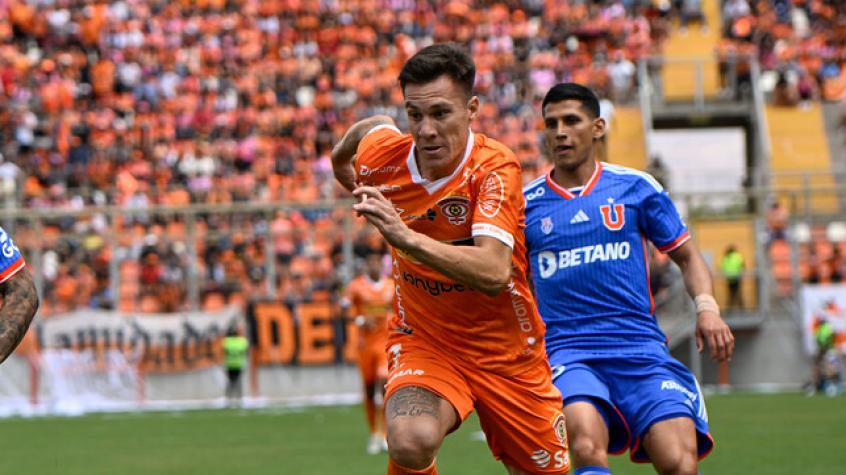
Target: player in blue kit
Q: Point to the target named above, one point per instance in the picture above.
(20, 300)
(587, 227)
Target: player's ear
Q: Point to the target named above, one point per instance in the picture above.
(473, 107)
(598, 128)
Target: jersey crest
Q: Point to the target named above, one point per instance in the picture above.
(615, 220)
(455, 208)
(546, 225)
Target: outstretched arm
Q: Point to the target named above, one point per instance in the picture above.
(20, 301)
(345, 150)
(710, 327)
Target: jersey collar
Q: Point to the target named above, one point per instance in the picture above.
(586, 189)
(433, 186)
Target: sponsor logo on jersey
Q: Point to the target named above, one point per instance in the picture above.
(562, 459)
(430, 215)
(557, 371)
(455, 208)
(364, 170)
(8, 246)
(491, 195)
(433, 287)
(546, 225)
(536, 194)
(518, 304)
(542, 458)
(401, 326)
(406, 372)
(560, 427)
(549, 262)
(394, 356)
(613, 218)
(388, 188)
(580, 217)
(670, 385)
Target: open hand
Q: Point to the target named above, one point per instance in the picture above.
(712, 329)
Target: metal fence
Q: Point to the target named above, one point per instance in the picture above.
(169, 258)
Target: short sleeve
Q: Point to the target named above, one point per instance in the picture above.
(662, 222)
(379, 146)
(499, 203)
(350, 295)
(11, 260)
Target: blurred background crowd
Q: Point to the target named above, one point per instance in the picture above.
(139, 103)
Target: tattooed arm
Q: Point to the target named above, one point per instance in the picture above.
(20, 301)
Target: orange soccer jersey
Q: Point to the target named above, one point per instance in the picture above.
(373, 301)
(483, 197)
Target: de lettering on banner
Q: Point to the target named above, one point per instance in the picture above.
(304, 334)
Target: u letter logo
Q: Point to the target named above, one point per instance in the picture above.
(614, 221)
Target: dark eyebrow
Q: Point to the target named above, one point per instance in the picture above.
(437, 105)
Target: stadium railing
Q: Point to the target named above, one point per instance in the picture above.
(193, 235)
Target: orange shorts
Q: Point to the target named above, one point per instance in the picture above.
(520, 415)
(373, 363)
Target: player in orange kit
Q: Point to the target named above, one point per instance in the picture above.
(371, 297)
(467, 334)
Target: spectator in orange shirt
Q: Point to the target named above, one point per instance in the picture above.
(370, 298)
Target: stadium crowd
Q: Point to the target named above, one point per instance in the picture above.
(801, 42)
(135, 104)
(138, 103)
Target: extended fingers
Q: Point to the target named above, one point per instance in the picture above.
(722, 344)
(729, 337)
(368, 191)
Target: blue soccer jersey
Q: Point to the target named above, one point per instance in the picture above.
(588, 255)
(11, 260)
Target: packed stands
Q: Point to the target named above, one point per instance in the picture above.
(136, 104)
(799, 42)
(819, 252)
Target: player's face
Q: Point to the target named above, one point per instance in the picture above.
(439, 115)
(373, 266)
(570, 133)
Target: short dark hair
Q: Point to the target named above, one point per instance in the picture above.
(570, 90)
(437, 60)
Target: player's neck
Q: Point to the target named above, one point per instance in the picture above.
(434, 172)
(573, 178)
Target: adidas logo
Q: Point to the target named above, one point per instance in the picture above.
(580, 217)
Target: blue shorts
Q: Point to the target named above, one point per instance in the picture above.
(632, 393)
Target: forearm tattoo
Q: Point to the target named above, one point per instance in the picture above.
(412, 401)
(20, 301)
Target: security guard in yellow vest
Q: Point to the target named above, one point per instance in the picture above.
(235, 349)
(732, 266)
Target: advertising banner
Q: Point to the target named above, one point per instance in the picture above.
(156, 342)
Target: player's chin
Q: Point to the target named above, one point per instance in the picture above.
(434, 154)
(567, 160)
